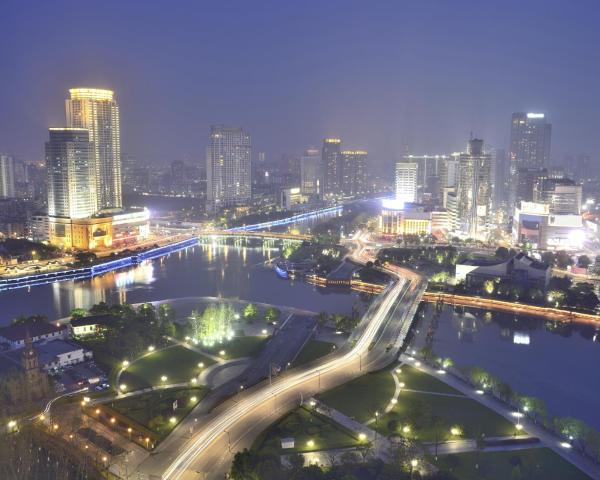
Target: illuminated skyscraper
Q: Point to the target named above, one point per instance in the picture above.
(353, 178)
(7, 176)
(228, 167)
(97, 111)
(310, 178)
(331, 166)
(529, 147)
(406, 181)
(474, 189)
(70, 166)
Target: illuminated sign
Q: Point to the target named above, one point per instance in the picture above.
(535, 115)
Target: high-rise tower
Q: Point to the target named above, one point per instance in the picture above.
(474, 189)
(97, 111)
(529, 147)
(71, 179)
(7, 176)
(228, 167)
(331, 165)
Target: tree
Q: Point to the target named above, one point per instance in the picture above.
(322, 319)
(272, 314)
(250, 312)
(78, 313)
(502, 253)
(166, 312)
(556, 298)
(244, 465)
(563, 259)
(584, 261)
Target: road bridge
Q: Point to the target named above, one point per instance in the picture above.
(234, 424)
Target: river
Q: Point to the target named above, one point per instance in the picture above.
(204, 270)
(554, 362)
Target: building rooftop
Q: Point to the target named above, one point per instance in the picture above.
(35, 329)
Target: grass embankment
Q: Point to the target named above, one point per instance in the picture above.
(178, 364)
(238, 347)
(530, 464)
(429, 411)
(312, 350)
(310, 431)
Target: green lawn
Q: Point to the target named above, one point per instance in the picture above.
(531, 464)
(239, 347)
(312, 350)
(154, 410)
(178, 363)
(419, 411)
(414, 379)
(362, 397)
(304, 426)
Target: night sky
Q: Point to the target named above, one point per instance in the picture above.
(383, 75)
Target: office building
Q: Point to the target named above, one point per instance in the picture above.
(529, 146)
(429, 176)
(331, 166)
(7, 176)
(71, 175)
(97, 111)
(535, 225)
(562, 195)
(353, 172)
(310, 168)
(406, 182)
(228, 167)
(474, 189)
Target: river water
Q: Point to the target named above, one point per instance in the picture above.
(204, 270)
(557, 363)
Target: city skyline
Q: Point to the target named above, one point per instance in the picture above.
(397, 110)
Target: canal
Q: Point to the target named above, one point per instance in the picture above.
(552, 361)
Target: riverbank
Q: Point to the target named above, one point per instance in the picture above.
(94, 270)
(512, 307)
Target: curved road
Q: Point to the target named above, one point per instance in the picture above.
(234, 424)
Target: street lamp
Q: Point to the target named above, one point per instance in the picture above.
(163, 378)
(151, 348)
(125, 363)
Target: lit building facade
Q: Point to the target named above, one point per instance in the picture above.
(331, 165)
(310, 168)
(530, 135)
(7, 176)
(228, 167)
(71, 173)
(406, 182)
(536, 225)
(474, 189)
(97, 111)
(353, 180)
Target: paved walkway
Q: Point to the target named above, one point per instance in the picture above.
(381, 445)
(470, 445)
(548, 439)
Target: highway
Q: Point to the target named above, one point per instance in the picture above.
(234, 424)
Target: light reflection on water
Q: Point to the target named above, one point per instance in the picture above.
(205, 270)
(552, 361)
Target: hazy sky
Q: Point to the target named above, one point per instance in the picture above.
(383, 75)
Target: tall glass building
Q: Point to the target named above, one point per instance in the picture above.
(331, 169)
(228, 164)
(71, 179)
(97, 111)
(7, 176)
